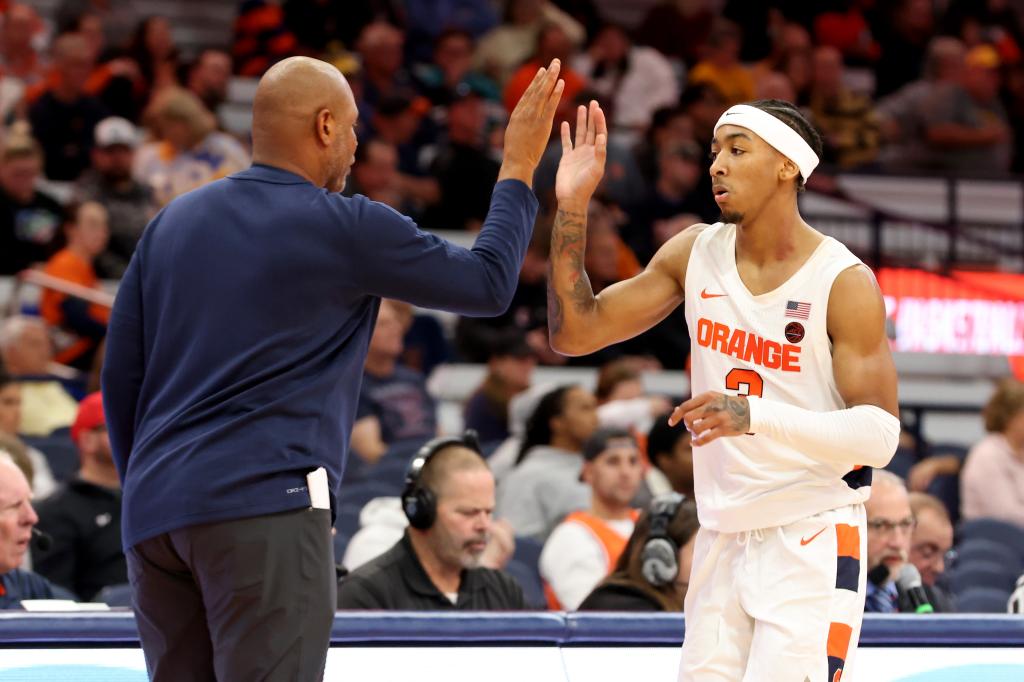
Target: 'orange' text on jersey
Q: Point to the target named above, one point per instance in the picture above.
(748, 346)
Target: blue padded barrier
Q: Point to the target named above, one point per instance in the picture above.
(18, 628)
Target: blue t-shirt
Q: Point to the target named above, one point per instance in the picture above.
(236, 344)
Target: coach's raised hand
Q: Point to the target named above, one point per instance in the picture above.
(529, 127)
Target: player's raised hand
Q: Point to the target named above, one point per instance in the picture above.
(582, 164)
(529, 126)
(712, 415)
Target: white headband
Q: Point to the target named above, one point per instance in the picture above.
(773, 131)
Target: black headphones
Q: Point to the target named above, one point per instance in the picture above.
(659, 559)
(420, 503)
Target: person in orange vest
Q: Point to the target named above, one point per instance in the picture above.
(87, 234)
(584, 548)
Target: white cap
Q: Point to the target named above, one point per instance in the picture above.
(115, 130)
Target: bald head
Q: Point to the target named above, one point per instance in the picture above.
(303, 119)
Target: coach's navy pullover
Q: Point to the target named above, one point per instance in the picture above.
(236, 344)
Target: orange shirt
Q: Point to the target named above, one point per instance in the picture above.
(69, 266)
(522, 78)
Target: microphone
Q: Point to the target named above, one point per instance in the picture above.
(909, 582)
(43, 540)
(879, 575)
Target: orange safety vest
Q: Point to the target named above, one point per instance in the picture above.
(608, 537)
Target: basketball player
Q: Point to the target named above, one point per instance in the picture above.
(794, 393)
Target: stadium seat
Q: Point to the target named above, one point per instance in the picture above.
(529, 579)
(340, 543)
(60, 451)
(115, 595)
(360, 492)
(982, 549)
(528, 552)
(983, 574)
(1003, 532)
(947, 490)
(983, 600)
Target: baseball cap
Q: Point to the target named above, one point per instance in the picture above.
(604, 438)
(90, 415)
(115, 130)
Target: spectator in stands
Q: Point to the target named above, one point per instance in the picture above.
(654, 219)
(846, 28)
(382, 523)
(721, 67)
(903, 31)
(503, 50)
(622, 401)
(992, 482)
(996, 22)
(967, 129)
(704, 105)
(428, 19)
(509, 372)
(670, 453)
(40, 476)
(380, 46)
(375, 175)
(584, 547)
(775, 85)
(84, 516)
(677, 29)
(153, 49)
(553, 42)
(130, 204)
(890, 525)
(545, 485)
(633, 81)
(647, 576)
(261, 37)
(464, 167)
(903, 115)
(452, 65)
(788, 38)
(86, 234)
(208, 78)
(64, 116)
(27, 353)
(670, 126)
(17, 519)
(18, 57)
(189, 151)
(399, 121)
(395, 411)
(437, 563)
(29, 219)
(931, 542)
(846, 120)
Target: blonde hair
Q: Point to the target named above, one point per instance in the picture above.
(1006, 402)
(178, 104)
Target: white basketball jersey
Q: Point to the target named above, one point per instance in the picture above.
(774, 345)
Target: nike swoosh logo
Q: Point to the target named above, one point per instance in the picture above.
(705, 294)
(807, 541)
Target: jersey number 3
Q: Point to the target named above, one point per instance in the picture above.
(745, 382)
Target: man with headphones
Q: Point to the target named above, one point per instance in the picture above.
(449, 500)
(584, 548)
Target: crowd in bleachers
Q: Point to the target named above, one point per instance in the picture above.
(102, 123)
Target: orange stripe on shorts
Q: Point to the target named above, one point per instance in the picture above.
(848, 540)
(839, 640)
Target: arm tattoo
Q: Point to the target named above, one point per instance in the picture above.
(568, 247)
(736, 409)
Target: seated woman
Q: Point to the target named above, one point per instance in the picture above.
(654, 570)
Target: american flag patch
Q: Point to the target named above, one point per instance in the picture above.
(798, 309)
